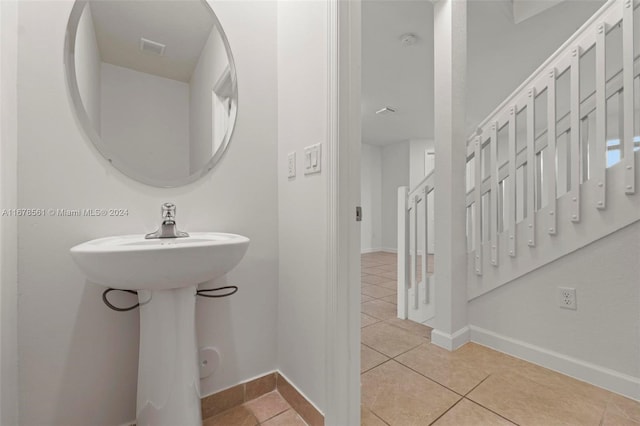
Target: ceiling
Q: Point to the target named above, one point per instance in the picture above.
(182, 25)
(508, 40)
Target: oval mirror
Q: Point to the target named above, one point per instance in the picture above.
(153, 85)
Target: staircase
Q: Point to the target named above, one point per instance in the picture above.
(551, 170)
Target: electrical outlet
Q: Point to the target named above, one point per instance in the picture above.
(567, 298)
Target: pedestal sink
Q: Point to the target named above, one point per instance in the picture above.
(166, 273)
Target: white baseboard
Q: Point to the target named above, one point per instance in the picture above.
(614, 381)
(369, 250)
(373, 250)
(450, 342)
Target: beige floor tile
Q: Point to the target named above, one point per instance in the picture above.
(367, 418)
(411, 326)
(443, 367)
(288, 418)
(393, 267)
(267, 406)
(624, 408)
(613, 419)
(390, 299)
(373, 279)
(364, 298)
(390, 275)
(467, 413)
(238, 416)
(376, 291)
(389, 340)
(374, 271)
(489, 360)
(370, 358)
(380, 309)
(565, 384)
(366, 320)
(401, 397)
(527, 402)
(393, 285)
(369, 264)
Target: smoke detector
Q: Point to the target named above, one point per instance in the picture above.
(408, 39)
(151, 46)
(385, 110)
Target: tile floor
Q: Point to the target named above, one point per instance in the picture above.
(270, 409)
(408, 381)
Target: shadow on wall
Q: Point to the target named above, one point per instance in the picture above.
(83, 380)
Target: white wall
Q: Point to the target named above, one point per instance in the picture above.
(605, 328)
(302, 65)
(78, 359)
(395, 173)
(213, 60)
(8, 225)
(496, 72)
(88, 67)
(371, 198)
(417, 148)
(145, 122)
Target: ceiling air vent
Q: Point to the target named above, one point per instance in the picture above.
(153, 47)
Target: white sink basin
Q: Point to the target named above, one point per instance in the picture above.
(131, 262)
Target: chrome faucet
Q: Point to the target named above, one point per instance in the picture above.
(168, 227)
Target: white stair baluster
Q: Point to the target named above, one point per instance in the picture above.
(575, 151)
(600, 165)
(511, 206)
(493, 214)
(551, 171)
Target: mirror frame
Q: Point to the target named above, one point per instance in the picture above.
(83, 118)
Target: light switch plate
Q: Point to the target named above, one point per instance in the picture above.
(291, 165)
(313, 159)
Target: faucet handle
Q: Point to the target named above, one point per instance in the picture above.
(168, 211)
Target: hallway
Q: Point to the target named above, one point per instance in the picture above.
(408, 381)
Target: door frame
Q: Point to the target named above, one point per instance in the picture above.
(343, 190)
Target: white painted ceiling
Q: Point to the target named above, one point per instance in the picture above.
(501, 55)
(182, 25)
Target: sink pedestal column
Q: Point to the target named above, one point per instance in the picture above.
(168, 376)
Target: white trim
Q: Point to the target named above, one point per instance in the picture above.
(614, 381)
(453, 341)
(343, 194)
(9, 383)
(370, 250)
(378, 249)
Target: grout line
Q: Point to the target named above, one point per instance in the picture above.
(448, 409)
(275, 415)
(379, 418)
(473, 388)
(375, 350)
(493, 411)
(408, 350)
(486, 408)
(429, 378)
(383, 362)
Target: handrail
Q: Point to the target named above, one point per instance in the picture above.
(555, 154)
(542, 69)
(422, 184)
